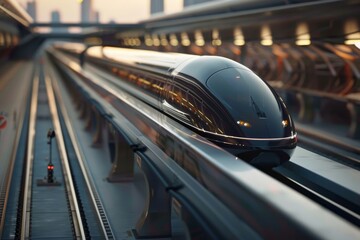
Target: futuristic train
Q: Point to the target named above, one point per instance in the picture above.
(217, 98)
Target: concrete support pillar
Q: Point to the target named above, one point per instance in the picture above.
(89, 118)
(99, 127)
(83, 109)
(78, 99)
(155, 221)
(193, 228)
(110, 140)
(123, 162)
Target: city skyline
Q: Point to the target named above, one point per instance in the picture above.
(119, 11)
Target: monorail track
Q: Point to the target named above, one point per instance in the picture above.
(66, 208)
(328, 194)
(340, 198)
(344, 152)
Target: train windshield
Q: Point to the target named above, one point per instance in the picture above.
(252, 105)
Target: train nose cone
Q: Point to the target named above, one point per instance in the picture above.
(257, 110)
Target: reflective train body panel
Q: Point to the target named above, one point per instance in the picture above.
(215, 97)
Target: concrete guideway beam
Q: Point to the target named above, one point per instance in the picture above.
(98, 137)
(123, 160)
(90, 118)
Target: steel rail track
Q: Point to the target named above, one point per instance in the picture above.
(27, 200)
(95, 199)
(20, 138)
(29, 159)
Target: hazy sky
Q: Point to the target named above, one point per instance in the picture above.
(121, 11)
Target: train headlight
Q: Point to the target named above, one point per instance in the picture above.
(285, 123)
(244, 124)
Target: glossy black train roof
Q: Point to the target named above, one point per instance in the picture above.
(202, 68)
(196, 67)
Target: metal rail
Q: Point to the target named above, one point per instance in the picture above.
(5, 190)
(339, 200)
(329, 145)
(97, 204)
(26, 211)
(326, 189)
(79, 229)
(29, 159)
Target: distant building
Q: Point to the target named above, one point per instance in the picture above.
(87, 13)
(31, 9)
(97, 16)
(157, 6)
(56, 18)
(193, 2)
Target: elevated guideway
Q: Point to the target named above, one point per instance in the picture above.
(193, 192)
(201, 171)
(144, 190)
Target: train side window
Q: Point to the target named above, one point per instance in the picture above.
(214, 120)
(182, 98)
(179, 99)
(205, 116)
(191, 102)
(156, 87)
(194, 105)
(166, 91)
(144, 82)
(123, 73)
